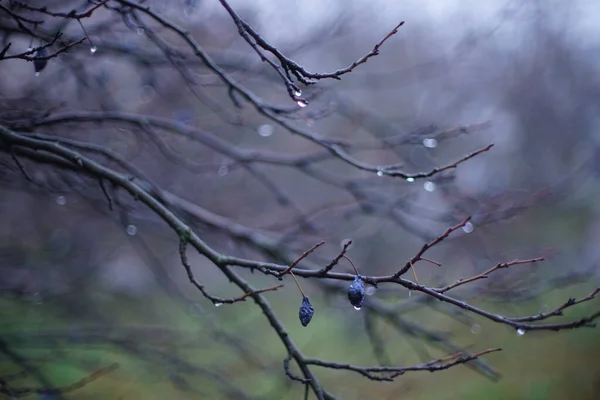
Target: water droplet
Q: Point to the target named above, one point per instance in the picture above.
(36, 298)
(146, 93)
(223, 170)
(370, 290)
(298, 93)
(266, 130)
(217, 304)
(93, 49)
(430, 143)
(196, 309)
(468, 228)
(190, 8)
(520, 332)
(141, 31)
(476, 329)
(185, 117)
(410, 180)
(357, 308)
(302, 103)
(380, 173)
(429, 186)
(61, 200)
(29, 48)
(37, 74)
(131, 230)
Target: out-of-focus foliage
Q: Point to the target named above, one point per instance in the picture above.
(84, 288)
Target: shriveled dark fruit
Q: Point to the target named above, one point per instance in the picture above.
(356, 292)
(306, 311)
(39, 65)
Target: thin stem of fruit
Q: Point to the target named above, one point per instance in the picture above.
(412, 268)
(297, 284)
(353, 266)
(86, 34)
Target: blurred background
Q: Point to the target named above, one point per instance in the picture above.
(87, 290)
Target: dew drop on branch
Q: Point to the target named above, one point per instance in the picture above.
(357, 308)
(410, 180)
(93, 49)
(301, 103)
(217, 304)
(520, 332)
(380, 173)
(468, 228)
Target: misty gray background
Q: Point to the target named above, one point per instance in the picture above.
(524, 73)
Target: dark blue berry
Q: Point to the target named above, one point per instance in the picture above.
(306, 311)
(356, 292)
(39, 65)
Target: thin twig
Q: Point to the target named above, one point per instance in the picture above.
(20, 166)
(306, 253)
(105, 192)
(485, 275)
(337, 259)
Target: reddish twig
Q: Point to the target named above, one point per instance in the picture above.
(71, 15)
(431, 261)
(384, 373)
(287, 66)
(558, 311)
(337, 259)
(215, 300)
(485, 275)
(26, 55)
(306, 253)
(429, 245)
(65, 389)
